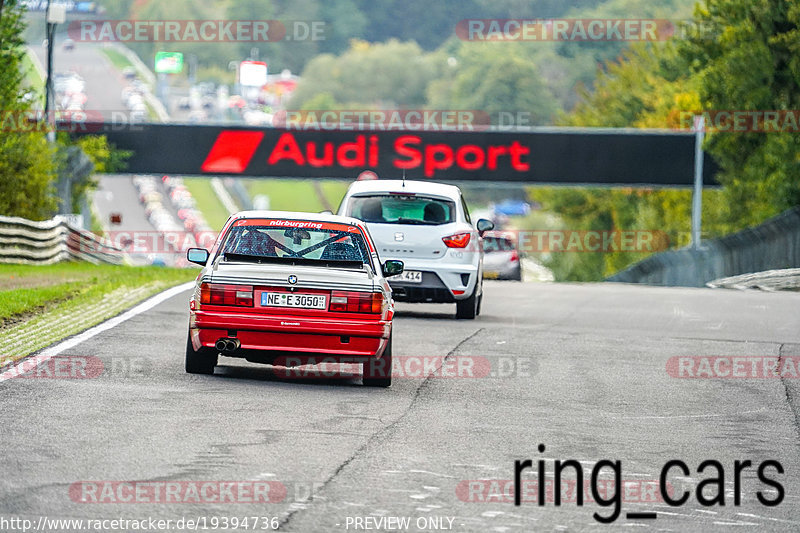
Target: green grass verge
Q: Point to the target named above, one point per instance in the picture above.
(284, 195)
(298, 195)
(287, 195)
(334, 191)
(29, 288)
(16, 302)
(33, 80)
(40, 305)
(117, 59)
(207, 202)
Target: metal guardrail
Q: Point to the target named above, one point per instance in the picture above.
(771, 280)
(25, 241)
(773, 245)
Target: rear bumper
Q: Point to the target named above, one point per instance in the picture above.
(506, 271)
(439, 282)
(431, 290)
(286, 334)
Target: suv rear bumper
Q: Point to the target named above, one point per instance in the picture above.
(432, 289)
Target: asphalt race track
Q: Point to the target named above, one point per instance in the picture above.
(579, 368)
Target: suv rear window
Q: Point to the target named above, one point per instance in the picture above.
(402, 209)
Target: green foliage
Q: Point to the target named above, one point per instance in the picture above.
(664, 212)
(431, 23)
(28, 164)
(561, 67)
(321, 102)
(385, 74)
(646, 88)
(27, 169)
(748, 58)
(27, 172)
(745, 58)
(104, 157)
(494, 78)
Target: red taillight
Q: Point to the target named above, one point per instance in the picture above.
(356, 302)
(459, 240)
(215, 294)
(514, 256)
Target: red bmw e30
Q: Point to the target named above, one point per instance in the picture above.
(304, 285)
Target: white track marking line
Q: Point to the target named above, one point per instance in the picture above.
(100, 328)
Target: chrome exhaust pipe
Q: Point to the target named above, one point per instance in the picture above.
(227, 345)
(233, 345)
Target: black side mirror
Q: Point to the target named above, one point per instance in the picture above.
(392, 268)
(484, 225)
(197, 255)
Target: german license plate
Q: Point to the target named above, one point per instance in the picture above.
(299, 301)
(409, 276)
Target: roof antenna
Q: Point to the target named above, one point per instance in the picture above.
(404, 178)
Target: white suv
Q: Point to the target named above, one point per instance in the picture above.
(427, 226)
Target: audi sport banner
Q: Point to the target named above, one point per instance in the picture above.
(548, 156)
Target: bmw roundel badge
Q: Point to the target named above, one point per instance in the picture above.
(292, 279)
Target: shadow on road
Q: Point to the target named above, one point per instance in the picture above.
(424, 315)
(305, 375)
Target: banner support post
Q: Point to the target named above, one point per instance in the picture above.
(697, 194)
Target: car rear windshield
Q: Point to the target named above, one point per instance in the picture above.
(312, 241)
(497, 244)
(402, 209)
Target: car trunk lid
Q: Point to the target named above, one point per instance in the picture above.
(406, 241)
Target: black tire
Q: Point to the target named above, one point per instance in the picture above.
(517, 276)
(480, 301)
(468, 309)
(202, 361)
(378, 372)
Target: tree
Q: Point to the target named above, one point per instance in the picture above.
(648, 87)
(748, 58)
(285, 54)
(344, 21)
(494, 78)
(27, 169)
(29, 165)
(382, 75)
(743, 55)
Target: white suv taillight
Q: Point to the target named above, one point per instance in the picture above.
(459, 240)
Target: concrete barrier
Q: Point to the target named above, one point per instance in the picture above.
(773, 245)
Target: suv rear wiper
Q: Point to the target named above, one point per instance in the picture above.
(412, 221)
